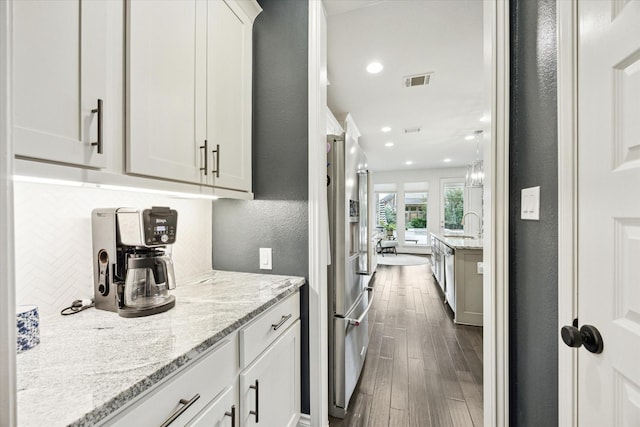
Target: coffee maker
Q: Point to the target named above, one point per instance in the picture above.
(132, 266)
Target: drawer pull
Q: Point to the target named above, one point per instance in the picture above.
(186, 404)
(255, 387)
(98, 111)
(281, 322)
(232, 414)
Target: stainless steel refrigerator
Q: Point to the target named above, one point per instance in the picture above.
(353, 262)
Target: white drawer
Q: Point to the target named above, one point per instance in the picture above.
(207, 377)
(262, 331)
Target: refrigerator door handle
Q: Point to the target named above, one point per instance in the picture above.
(358, 321)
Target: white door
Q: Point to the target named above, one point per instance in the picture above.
(229, 66)
(166, 83)
(59, 74)
(270, 386)
(609, 210)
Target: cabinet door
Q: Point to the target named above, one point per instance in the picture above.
(221, 412)
(229, 70)
(270, 387)
(59, 73)
(166, 83)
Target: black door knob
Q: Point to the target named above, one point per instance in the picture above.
(587, 335)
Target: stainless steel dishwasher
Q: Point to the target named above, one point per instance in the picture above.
(449, 279)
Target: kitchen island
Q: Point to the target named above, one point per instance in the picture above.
(89, 365)
(459, 274)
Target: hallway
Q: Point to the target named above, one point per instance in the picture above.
(421, 369)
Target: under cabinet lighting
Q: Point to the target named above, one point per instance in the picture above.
(70, 183)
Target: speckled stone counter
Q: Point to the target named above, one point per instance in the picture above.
(459, 242)
(90, 364)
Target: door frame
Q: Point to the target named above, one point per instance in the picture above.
(567, 21)
(8, 404)
(496, 208)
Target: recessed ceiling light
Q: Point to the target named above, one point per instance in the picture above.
(386, 129)
(469, 137)
(447, 160)
(408, 162)
(374, 67)
(485, 118)
(388, 144)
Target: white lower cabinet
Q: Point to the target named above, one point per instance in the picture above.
(270, 386)
(221, 412)
(184, 395)
(251, 378)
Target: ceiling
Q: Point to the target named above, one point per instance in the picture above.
(409, 37)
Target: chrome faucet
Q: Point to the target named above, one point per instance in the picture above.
(479, 222)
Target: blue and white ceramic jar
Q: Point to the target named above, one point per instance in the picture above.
(28, 324)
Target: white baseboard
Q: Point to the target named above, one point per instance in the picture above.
(305, 420)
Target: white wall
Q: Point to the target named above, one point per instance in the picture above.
(53, 248)
(433, 178)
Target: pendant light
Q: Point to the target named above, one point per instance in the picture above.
(475, 171)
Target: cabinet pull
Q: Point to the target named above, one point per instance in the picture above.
(99, 112)
(281, 322)
(206, 157)
(255, 387)
(232, 414)
(186, 404)
(216, 152)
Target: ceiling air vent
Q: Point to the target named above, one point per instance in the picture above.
(417, 80)
(411, 130)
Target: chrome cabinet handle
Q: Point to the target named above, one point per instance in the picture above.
(216, 152)
(255, 387)
(232, 414)
(358, 321)
(206, 158)
(186, 404)
(98, 110)
(282, 321)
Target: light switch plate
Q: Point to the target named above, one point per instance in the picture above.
(265, 259)
(530, 204)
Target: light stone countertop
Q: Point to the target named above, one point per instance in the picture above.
(90, 364)
(460, 242)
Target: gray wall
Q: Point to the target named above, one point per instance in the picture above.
(533, 296)
(277, 218)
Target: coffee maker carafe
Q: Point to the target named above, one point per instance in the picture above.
(133, 269)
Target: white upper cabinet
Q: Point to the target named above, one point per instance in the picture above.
(189, 90)
(59, 76)
(166, 105)
(229, 72)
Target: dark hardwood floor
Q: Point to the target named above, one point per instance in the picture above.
(421, 369)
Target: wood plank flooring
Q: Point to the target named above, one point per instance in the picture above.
(421, 369)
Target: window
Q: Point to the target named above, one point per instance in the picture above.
(415, 218)
(386, 212)
(453, 205)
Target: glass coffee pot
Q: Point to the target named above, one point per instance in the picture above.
(149, 278)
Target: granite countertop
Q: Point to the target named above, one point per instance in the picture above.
(90, 364)
(460, 242)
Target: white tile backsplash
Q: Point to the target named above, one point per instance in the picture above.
(53, 239)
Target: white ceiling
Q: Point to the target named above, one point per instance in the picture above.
(409, 37)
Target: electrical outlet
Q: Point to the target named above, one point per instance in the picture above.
(265, 259)
(480, 267)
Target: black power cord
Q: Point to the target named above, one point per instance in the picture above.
(77, 306)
